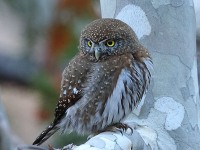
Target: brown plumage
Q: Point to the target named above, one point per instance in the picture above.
(104, 82)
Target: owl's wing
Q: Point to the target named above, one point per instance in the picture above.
(71, 85)
(73, 79)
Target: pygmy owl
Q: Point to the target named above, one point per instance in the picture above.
(104, 82)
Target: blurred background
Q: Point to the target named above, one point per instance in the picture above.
(37, 40)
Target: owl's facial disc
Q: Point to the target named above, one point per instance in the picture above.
(94, 49)
(100, 50)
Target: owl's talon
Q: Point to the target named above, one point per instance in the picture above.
(121, 127)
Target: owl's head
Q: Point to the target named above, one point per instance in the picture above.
(107, 37)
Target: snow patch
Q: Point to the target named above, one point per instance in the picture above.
(174, 110)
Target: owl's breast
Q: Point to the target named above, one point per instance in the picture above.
(111, 91)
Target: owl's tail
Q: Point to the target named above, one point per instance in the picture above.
(48, 132)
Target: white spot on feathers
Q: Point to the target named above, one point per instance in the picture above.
(75, 91)
(64, 92)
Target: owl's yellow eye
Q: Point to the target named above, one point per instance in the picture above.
(89, 43)
(110, 43)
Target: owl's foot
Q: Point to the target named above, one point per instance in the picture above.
(117, 127)
(121, 127)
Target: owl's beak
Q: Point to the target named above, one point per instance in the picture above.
(97, 53)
